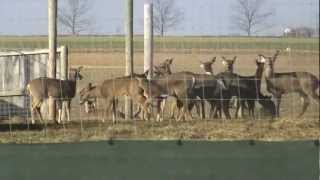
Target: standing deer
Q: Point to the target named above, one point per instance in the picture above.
(303, 83)
(227, 68)
(247, 88)
(41, 89)
(177, 85)
(111, 89)
(165, 69)
(88, 96)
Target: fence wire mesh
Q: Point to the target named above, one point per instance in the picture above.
(101, 53)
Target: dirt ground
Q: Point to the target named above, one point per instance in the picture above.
(101, 66)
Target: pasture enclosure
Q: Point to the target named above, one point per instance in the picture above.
(207, 102)
(109, 57)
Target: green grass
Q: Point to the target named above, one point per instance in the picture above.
(117, 42)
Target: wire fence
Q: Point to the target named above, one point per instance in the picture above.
(92, 123)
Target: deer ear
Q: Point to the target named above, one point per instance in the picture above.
(275, 55)
(79, 68)
(213, 59)
(223, 58)
(170, 60)
(234, 58)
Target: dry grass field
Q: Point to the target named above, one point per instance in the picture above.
(100, 66)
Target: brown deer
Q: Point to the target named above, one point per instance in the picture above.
(177, 85)
(88, 96)
(111, 89)
(62, 91)
(278, 84)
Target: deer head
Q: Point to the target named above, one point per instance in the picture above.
(207, 65)
(164, 67)
(85, 94)
(75, 73)
(268, 62)
(228, 63)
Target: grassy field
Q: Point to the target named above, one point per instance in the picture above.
(106, 60)
(100, 43)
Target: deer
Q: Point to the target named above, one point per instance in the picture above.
(62, 91)
(304, 84)
(186, 87)
(245, 87)
(227, 67)
(111, 89)
(90, 94)
(177, 85)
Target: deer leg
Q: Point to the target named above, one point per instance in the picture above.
(86, 107)
(251, 104)
(38, 110)
(225, 108)
(203, 109)
(114, 116)
(138, 112)
(314, 96)
(67, 109)
(237, 108)
(305, 103)
(32, 108)
(173, 107)
(158, 119)
(277, 104)
(240, 107)
(59, 103)
(163, 104)
(106, 110)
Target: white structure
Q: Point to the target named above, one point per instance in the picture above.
(287, 31)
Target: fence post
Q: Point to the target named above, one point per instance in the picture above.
(129, 53)
(148, 39)
(64, 74)
(52, 39)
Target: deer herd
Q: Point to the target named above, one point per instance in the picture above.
(188, 90)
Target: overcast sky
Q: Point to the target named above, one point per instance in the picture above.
(201, 17)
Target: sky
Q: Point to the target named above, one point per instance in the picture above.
(201, 17)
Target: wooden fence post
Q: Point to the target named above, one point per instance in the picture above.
(52, 39)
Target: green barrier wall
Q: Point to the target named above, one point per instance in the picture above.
(161, 160)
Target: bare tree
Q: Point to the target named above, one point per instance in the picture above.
(166, 15)
(251, 16)
(74, 16)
